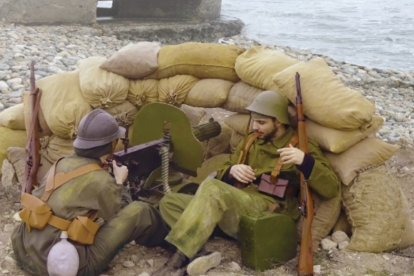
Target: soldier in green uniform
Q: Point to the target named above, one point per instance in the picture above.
(95, 191)
(219, 203)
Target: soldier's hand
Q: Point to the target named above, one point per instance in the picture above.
(291, 155)
(120, 173)
(242, 173)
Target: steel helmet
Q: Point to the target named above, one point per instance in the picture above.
(97, 128)
(272, 104)
(63, 258)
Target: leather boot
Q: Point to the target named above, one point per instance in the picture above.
(175, 266)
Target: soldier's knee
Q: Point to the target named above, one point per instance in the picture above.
(211, 186)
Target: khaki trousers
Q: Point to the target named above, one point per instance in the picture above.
(193, 218)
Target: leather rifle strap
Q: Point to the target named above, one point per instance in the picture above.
(275, 172)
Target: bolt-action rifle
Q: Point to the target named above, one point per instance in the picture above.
(305, 265)
(33, 143)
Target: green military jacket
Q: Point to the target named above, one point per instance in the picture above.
(94, 190)
(263, 156)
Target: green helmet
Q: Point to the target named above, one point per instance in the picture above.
(272, 104)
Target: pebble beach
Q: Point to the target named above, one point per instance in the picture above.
(56, 49)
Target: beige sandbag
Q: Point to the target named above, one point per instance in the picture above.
(378, 212)
(10, 138)
(209, 93)
(134, 61)
(17, 157)
(368, 152)
(235, 139)
(54, 147)
(219, 144)
(13, 117)
(62, 103)
(240, 96)
(124, 113)
(258, 65)
(194, 114)
(142, 92)
(8, 176)
(174, 90)
(100, 88)
(201, 60)
(27, 106)
(342, 224)
(337, 141)
(209, 166)
(238, 122)
(326, 100)
(326, 215)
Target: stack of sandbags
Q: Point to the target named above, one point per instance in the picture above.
(12, 134)
(373, 201)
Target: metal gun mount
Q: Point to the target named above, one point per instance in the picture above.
(164, 146)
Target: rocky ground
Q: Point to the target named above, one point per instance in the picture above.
(57, 49)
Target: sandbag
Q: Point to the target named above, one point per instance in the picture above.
(62, 103)
(134, 61)
(27, 111)
(13, 117)
(378, 212)
(53, 147)
(201, 60)
(17, 157)
(258, 65)
(194, 114)
(124, 113)
(100, 88)
(10, 138)
(142, 92)
(337, 141)
(219, 144)
(240, 96)
(326, 215)
(368, 152)
(326, 100)
(209, 166)
(174, 90)
(8, 176)
(209, 93)
(238, 122)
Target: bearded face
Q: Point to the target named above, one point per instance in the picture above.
(265, 128)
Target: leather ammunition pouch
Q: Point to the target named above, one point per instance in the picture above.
(37, 213)
(276, 188)
(83, 230)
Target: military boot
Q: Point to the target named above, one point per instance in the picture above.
(175, 266)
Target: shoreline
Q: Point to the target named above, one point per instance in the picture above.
(56, 49)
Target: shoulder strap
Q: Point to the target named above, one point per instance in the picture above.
(243, 152)
(275, 172)
(55, 181)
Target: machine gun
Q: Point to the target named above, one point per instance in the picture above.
(166, 147)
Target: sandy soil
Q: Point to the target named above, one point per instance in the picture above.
(138, 260)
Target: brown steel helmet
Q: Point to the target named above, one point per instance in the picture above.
(97, 128)
(272, 104)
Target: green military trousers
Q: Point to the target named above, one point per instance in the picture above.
(137, 221)
(193, 218)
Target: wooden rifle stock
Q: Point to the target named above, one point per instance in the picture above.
(305, 265)
(33, 143)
